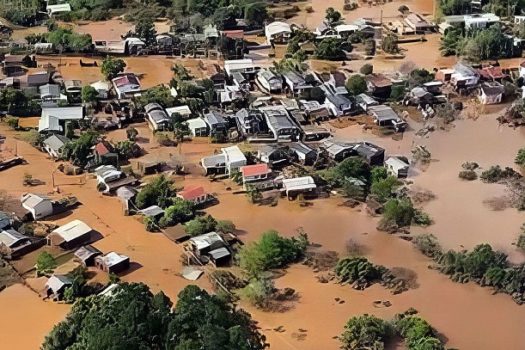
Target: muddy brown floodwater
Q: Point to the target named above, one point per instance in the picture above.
(468, 316)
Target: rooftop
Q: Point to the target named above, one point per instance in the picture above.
(255, 170)
(189, 193)
(72, 230)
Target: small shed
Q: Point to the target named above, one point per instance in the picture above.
(491, 93)
(86, 255)
(153, 211)
(299, 185)
(397, 166)
(112, 262)
(56, 285)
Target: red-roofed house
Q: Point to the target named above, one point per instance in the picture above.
(256, 175)
(104, 153)
(195, 194)
(492, 73)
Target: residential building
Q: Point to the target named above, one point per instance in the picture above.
(112, 262)
(216, 123)
(378, 85)
(198, 127)
(280, 124)
(336, 150)
(372, 154)
(385, 116)
(12, 242)
(277, 32)
(103, 88)
(256, 175)
(364, 101)
(397, 166)
(338, 105)
(126, 85)
(418, 23)
(270, 81)
(234, 158)
(195, 194)
(86, 255)
(50, 94)
(57, 9)
(250, 122)
(53, 119)
(345, 30)
(212, 246)
(305, 154)
(241, 81)
(299, 185)
(39, 206)
(54, 145)
(491, 93)
(56, 285)
(183, 111)
(295, 83)
(70, 235)
(157, 117)
(464, 76)
(104, 153)
(243, 66)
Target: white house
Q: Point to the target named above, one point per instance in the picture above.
(157, 117)
(397, 166)
(338, 105)
(277, 32)
(126, 85)
(54, 144)
(103, 88)
(39, 206)
(70, 235)
(184, 111)
(198, 127)
(243, 66)
(299, 185)
(234, 158)
(58, 9)
(52, 117)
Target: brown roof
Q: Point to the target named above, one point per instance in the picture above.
(378, 80)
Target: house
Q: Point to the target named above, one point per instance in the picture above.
(198, 127)
(153, 211)
(277, 32)
(492, 73)
(364, 102)
(130, 46)
(298, 185)
(315, 133)
(112, 262)
(234, 158)
(464, 76)
(126, 194)
(336, 150)
(54, 145)
(195, 194)
(57, 9)
(56, 285)
(418, 23)
(420, 96)
(12, 241)
(70, 235)
(240, 81)
(474, 21)
(372, 154)
(50, 94)
(243, 66)
(250, 122)
(212, 246)
(216, 123)
(345, 30)
(104, 153)
(103, 88)
(256, 175)
(295, 83)
(5, 220)
(126, 85)
(107, 173)
(280, 124)
(86, 255)
(269, 81)
(19, 60)
(38, 206)
(73, 87)
(274, 155)
(37, 79)
(378, 85)
(54, 118)
(338, 105)
(215, 74)
(385, 116)
(434, 87)
(444, 74)
(184, 111)
(397, 166)
(491, 93)
(157, 117)
(305, 155)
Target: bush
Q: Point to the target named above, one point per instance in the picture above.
(271, 251)
(399, 212)
(200, 225)
(468, 175)
(356, 85)
(45, 264)
(428, 245)
(12, 122)
(495, 174)
(157, 192)
(225, 226)
(366, 69)
(520, 158)
(365, 332)
(384, 189)
(259, 292)
(179, 212)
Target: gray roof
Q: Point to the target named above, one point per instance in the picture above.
(219, 253)
(214, 118)
(383, 113)
(5, 220)
(338, 100)
(152, 211)
(11, 237)
(295, 78)
(57, 282)
(301, 148)
(56, 142)
(51, 90)
(86, 252)
(214, 161)
(269, 75)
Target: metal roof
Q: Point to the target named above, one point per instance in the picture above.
(112, 259)
(207, 240)
(11, 237)
(56, 142)
(72, 230)
(299, 183)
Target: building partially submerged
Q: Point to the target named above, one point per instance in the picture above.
(39, 206)
(397, 166)
(53, 119)
(211, 246)
(56, 285)
(229, 160)
(54, 145)
(195, 194)
(277, 32)
(385, 116)
(299, 185)
(86, 255)
(256, 176)
(126, 85)
(112, 262)
(279, 123)
(491, 93)
(270, 81)
(157, 117)
(70, 235)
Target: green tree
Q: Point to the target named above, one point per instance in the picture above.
(158, 94)
(145, 30)
(366, 69)
(77, 151)
(131, 133)
(455, 7)
(332, 16)
(89, 94)
(365, 332)
(520, 158)
(111, 67)
(330, 49)
(200, 225)
(399, 212)
(356, 85)
(271, 251)
(384, 189)
(389, 44)
(156, 192)
(179, 212)
(225, 226)
(255, 14)
(259, 292)
(45, 264)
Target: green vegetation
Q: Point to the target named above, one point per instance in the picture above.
(45, 264)
(259, 292)
(365, 332)
(520, 158)
(65, 39)
(135, 318)
(383, 189)
(370, 332)
(400, 212)
(428, 245)
(389, 44)
(352, 167)
(111, 67)
(158, 94)
(358, 270)
(157, 192)
(271, 251)
(496, 174)
(15, 102)
(356, 85)
(333, 16)
(204, 224)
(89, 94)
(331, 49)
(77, 151)
(179, 211)
(366, 69)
